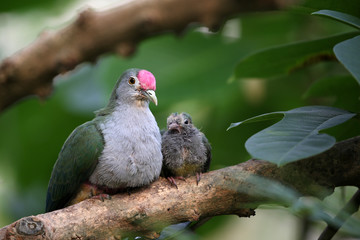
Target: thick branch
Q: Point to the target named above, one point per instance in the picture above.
(119, 30)
(225, 191)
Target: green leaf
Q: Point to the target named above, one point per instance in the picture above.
(348, 53)
(262, 117)
(284, 59)
(296, 136)
(339, 16)
(346, 6)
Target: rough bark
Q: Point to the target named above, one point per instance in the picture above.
(225, 191)
(119, 30)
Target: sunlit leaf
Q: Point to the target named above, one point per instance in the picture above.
(300, 205)
(296, 136)
(284, 59)
(348, 53)
(339, 16)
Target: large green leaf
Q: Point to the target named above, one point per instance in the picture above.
(348, 53)
(284, 59)
(262, 117)
(297, 135)
(342, 17)
(346, 6)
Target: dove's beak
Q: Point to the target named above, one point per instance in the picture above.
(150, 94)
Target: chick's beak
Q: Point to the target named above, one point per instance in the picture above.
(174, 126)
(150, 94)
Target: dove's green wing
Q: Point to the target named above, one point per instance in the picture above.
(77, 160)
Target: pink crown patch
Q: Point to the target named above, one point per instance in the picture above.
(147, 80)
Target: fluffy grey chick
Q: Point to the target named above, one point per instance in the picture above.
(186, 151)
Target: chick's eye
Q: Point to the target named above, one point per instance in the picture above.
(186, 122)
(131, 81)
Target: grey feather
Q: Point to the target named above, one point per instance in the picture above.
(131, 155)
(132, 152)
(186, 150)
(119, 148)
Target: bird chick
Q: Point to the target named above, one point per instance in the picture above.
(186, 151)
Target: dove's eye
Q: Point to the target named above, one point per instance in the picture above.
(131, 81)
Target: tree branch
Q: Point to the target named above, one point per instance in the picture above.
(225, 191)
(31, 70)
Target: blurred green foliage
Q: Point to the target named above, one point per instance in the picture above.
(26, 5)
(294, 137)
(193, 75)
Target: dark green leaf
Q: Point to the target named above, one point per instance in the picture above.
(19, 6)
(342, 17)
(339, 91)
(348, 53)
(333, 86)
(296, 136)
(284, 59)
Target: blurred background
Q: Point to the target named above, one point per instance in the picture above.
(193, 75)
